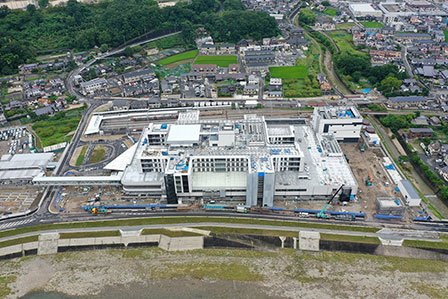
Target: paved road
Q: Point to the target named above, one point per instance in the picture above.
(404, 57)
(405, 112)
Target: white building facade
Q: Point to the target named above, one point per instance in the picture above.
(344, 123)
(251, 160)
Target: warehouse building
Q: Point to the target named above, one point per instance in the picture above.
(248, 159)
(364, 10)
(22, 168)
(409, 193)
(344, 123)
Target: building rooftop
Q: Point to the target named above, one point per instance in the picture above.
(410, 189)
(363, 7)
(247, 139)
(183, 134)
(338, 112)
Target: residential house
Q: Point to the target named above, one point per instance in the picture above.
(94, 85)
(138, 75)
(420, 132)
(421, 121)
(47, 110)
(204, 69)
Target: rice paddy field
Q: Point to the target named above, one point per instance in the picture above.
(288, 72)
(331, 11)
(221, 60)
(372, 24)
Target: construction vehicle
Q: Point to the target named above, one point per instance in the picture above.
(242, 209)
(369, 180)
(323, 213)
(362, 147)
(100, 210)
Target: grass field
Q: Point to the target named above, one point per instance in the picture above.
(344, 41)
(248, 231)
(18, 241)
(426, 244)
(446, 35)
(98, 154)
(222, 61)
(288, 72)
(113, 233)
(169, 233)
(344, 26)
(166, 42)
(293, 87)
(56, 128)
(372, 24)
(331, 11)
(304, 75)
(189, 55)
(81, 156)
(350, 239)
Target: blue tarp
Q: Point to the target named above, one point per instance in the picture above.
(387, 217)
(334, 213)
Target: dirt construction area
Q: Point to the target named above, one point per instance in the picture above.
(69, 200)
(368, 166)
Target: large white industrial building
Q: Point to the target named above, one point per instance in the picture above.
(344, 123)
(251, 159)
(363, 10)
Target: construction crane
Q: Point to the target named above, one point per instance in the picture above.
(322, 213)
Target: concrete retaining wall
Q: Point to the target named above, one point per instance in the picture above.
(309, 240)
(49, 243)
(181, 243)
(21, 248)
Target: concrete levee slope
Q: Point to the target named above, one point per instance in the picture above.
(309, 240)
(181, 243)
(48, 243)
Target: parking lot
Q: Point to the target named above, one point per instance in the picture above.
(16, 199)
(15, 141)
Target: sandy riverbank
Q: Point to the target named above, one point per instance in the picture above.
(223, 273)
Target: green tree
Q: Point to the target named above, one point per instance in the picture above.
(128, 51)
(390, 85)
(82, 26)
(43, 3)
(307, 17)
(397, 122)
(104, 48)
